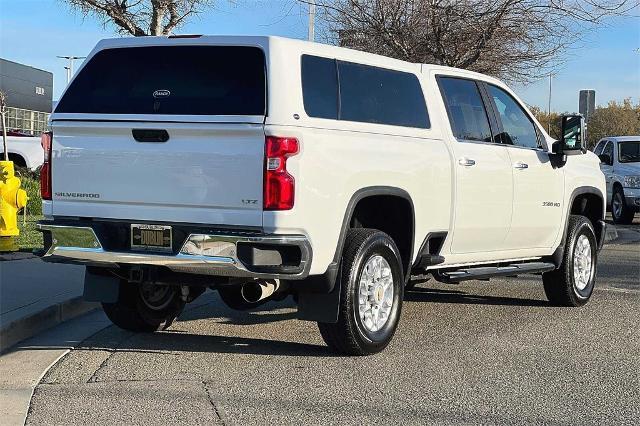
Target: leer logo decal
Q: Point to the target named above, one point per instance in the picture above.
(161, 93)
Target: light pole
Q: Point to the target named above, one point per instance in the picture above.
(549, 108)
(312, 19)
(70, 67)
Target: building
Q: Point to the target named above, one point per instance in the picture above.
(29, 94)
(587, 103)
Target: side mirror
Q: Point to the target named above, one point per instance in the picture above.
(572, 140)
(605, 158)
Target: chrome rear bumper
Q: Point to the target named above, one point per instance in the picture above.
(200, 254)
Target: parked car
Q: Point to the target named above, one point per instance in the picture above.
(25, 151)
(620, 163)
(261, 167)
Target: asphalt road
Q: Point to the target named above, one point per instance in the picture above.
(475, 353)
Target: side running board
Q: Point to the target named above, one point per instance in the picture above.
(486, 272)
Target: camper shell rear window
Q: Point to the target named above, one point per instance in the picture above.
(174, 80)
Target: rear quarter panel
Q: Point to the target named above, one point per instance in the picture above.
(338, 158)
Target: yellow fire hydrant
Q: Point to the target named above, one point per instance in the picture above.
(12, 199)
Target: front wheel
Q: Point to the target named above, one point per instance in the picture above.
(145, 307)
(621, 213)
(371, 285)
(572, 284)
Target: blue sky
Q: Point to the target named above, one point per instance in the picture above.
(34, 32)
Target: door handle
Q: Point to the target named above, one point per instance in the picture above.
(520, 165)
(467, 162)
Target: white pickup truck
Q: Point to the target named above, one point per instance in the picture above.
(25, 151)
(262, 167)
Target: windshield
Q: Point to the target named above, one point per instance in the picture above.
(629, 152)
(190, 80)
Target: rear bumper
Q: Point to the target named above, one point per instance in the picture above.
(231, 255)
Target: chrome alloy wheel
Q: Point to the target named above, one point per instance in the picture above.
(375, 293)
(155, 296)
(582, 262)
(616, 205)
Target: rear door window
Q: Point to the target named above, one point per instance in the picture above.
(377, 95)
(629, 152)
(182, 80)
(467, 114)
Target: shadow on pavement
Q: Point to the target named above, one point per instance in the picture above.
(263, 318)
(179, 341)
(213, 307)
(419, 294)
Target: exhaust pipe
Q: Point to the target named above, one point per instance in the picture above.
(259, 290)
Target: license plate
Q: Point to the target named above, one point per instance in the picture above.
(151, 237)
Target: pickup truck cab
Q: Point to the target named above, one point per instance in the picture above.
(620, 163)
(262, 167)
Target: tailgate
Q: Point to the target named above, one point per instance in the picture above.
(209, 173)
(168, 133)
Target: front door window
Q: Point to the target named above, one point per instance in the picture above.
(518, 128)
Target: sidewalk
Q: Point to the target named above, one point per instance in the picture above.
(35, 296)
(22, 368)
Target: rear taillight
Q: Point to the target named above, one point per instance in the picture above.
(279, 185)
(45, 171)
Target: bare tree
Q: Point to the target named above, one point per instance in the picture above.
(517, 40)
(142, 17)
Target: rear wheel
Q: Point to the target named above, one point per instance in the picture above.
(145, 307)
(620, 212)
(371, 285)
(572, 284)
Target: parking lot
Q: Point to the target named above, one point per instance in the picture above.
(475, 353)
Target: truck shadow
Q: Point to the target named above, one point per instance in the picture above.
(176, 341)
(211, 337)
(432, 295)
(213, 307)
(218, 320)
(180, 338)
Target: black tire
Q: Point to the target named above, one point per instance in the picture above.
(136, 312)
(622, 215)
(561, 285)
(349, 335)
(232, 297)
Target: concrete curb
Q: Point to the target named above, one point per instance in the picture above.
(51, 316)
(16, 255)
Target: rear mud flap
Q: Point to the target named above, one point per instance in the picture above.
(317, 305)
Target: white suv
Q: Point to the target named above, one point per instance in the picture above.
(262, 167)
(620, 163)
